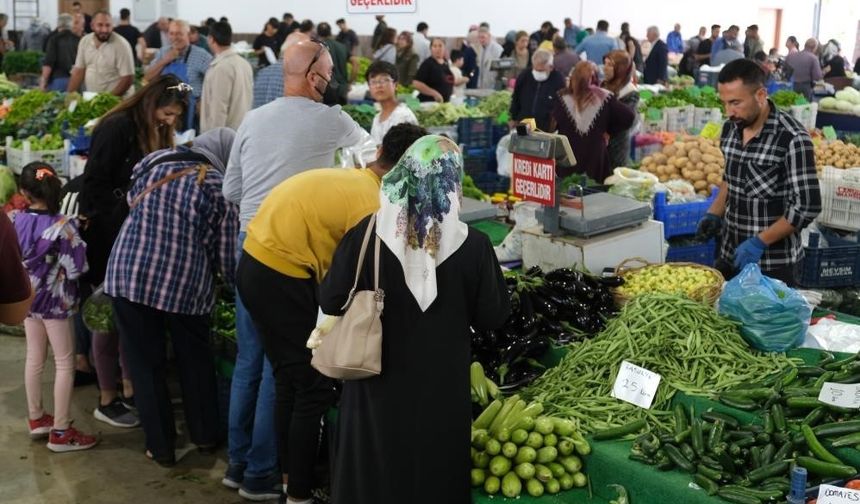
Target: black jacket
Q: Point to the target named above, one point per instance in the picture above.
(113, 153)
(535, 99)
(657, 64)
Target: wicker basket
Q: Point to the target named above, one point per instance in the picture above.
(708, 294)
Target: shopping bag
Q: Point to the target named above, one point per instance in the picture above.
(773, 317)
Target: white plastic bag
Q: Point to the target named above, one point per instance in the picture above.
(633, 184)
(504, 158)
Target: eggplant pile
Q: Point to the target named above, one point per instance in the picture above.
(558, 307)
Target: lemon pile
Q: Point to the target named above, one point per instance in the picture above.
(687, 281)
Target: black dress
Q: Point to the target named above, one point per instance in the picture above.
(403, 436)
(436, 75)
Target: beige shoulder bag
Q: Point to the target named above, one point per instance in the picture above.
(352, 348)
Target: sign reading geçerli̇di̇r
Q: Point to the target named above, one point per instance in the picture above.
(381, 6)
(534, 179)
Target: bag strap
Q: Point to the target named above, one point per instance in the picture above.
(201, 169)
(361, 255)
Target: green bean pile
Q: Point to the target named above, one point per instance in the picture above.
(695, 350)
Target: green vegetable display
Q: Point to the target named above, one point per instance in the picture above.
(363, 64)
(516, 449)
(445, 114)
(84, 111)
(8, 187)
(44, 143)
(17, 62)
(496, 104)
(694, 349)
(784, 98)
(27, 105)
(362, 114)
(8, 89)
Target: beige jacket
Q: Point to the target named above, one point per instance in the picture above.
(228, 91)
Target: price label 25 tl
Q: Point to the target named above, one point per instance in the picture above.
(636, 385)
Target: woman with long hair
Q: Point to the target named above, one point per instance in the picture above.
(619, 78)
(136, 127)
(407, 60)
(387, 50)
(589, 115)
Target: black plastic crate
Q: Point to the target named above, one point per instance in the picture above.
(475, 132)
(834, 265)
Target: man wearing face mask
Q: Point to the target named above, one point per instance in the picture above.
(282, 138)
(770, 192)
(536, 91)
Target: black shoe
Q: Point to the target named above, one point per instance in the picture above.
(82, 378)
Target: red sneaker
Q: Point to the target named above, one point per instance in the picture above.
(70, 440)
(41, 427)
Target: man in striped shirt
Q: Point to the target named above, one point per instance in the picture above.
(180, 234)
(770, 192)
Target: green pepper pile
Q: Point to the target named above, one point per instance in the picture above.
(362, 114)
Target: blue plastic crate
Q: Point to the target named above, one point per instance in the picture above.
(475, 132)
(491, 183)
(499, 130)
(835, 265)
(703, 253)
(477, 161)
(680, 218)
(774, 86)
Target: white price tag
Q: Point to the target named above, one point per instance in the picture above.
(829, 494)
(843, 395)
(636, 385)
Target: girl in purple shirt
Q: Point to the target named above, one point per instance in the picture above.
(55, 257)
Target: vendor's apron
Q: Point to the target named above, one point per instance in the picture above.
(180, 70)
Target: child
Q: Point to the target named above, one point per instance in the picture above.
(382, 79)
(460, 82)
(55, 257)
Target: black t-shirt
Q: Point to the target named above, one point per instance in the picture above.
(131, 34)
(152, 35)
(837, 67)
(349, 39)
(264, 40)
(705, 48)
(62, 48)
(438, 76)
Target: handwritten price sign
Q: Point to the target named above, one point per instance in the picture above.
(828, 494)
(843, 395)
(636, 385)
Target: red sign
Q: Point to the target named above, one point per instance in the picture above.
(534, 179)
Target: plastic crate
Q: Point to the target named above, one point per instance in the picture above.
(703, 253)
(492, 183)
(840, 198)
(79, 140)
(16, 159)
(680, 218)
(475, 132)
(477, 161)
(836, 264)
(774, 86)
(499, 130)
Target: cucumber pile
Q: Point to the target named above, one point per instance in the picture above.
(751, 464)
(514, 449)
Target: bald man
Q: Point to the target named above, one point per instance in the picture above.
(285, 137)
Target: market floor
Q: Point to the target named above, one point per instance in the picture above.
(115, 471)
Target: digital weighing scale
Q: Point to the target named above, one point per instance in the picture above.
(586, 214)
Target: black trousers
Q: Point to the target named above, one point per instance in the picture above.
(284, 311)
(143, 332)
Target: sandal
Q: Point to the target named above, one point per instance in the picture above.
(162, 461)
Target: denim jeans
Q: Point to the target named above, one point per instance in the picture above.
(251, 432)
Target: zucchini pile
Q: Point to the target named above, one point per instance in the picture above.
(515, 449)
(751, 464)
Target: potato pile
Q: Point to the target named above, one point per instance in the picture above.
(837, 154)
(697, 160)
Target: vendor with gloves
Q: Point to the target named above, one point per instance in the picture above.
(770, 192)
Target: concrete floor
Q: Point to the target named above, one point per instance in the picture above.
(115, 471)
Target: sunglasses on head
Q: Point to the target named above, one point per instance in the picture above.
(181, 88)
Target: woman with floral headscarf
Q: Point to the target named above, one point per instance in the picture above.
(406, 431)
(588, 116)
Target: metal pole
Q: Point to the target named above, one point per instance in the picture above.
(816, 19)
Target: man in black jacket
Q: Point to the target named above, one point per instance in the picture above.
(657, 65)
(536, 91)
